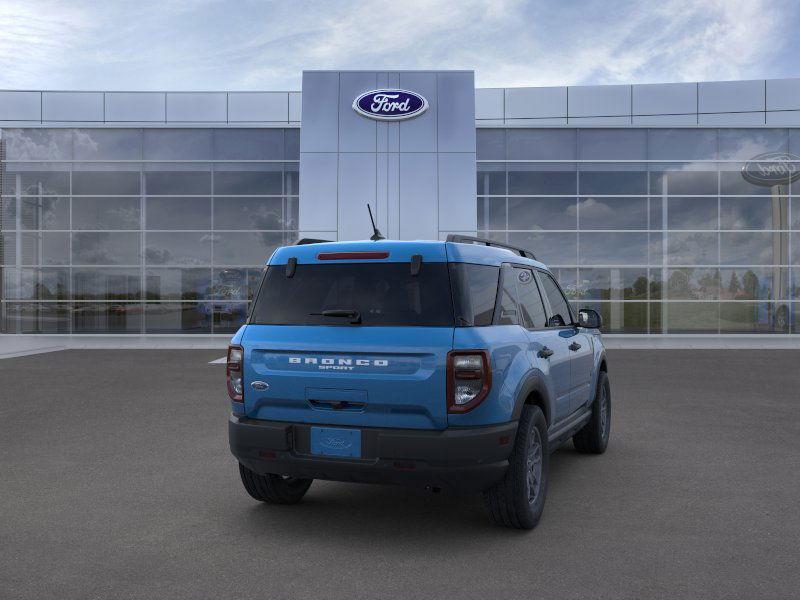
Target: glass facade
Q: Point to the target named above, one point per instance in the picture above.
(656, 229)
(141, 230)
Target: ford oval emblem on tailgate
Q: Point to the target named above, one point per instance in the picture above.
(260, 385)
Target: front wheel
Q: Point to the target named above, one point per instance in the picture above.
(518, 500)
(274, 489)
(593, 437)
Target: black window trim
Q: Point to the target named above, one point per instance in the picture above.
(572, 324)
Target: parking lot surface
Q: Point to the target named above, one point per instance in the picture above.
(116, 482)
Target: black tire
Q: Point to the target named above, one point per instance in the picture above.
(511, 503)
(593, 437)
(274, 489)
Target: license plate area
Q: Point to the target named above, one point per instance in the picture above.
(333, 441)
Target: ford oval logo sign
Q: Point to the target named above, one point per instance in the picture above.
(390, 105)
(772, 168)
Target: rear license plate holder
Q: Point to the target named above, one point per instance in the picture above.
(334, 441)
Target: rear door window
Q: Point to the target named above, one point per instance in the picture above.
(559, 307)
(382, 293)
(530, 300)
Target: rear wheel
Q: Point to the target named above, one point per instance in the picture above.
(518, 500)
(593, 437)
(274, 489)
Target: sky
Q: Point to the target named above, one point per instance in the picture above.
(264, 45)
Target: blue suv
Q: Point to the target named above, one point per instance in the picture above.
(456, 364)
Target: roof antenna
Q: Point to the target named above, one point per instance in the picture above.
(376, 235)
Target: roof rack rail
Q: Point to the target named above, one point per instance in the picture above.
(305, 241)
(468, 239)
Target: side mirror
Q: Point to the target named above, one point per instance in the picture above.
(589, 318)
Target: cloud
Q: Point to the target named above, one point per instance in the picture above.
(205, 44)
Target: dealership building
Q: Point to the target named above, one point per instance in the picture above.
(670, 208)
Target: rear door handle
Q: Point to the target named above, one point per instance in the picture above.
(545, 353)
(574, 346)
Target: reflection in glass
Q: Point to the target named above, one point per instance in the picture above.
(620, 317)
(248, 213)
(612, 213)
(549, 248)
(747, 317)
(117, 183)
(107, 317)
(692, 248)
(178, 284)
(178, 248)
(613, 248)
(177, 183)
(541, 213)
(236, 283)
(107, 144)
(44, 212)
(174, 212)
(613, 284)
(229, 316)
(612, 144)
(36, 317)
(104, 248)
(245, 248)
(755, 248)
(613, 182)
(522, 182)
(248, 144)
(491, 179)
(682, 144)
(541, 144)
(106, 284)
(178, 317)
(492, 213)
(676, 181)
(690, 317)
(251, 182)
(693, 284)
(754, 213)
(105, 213)
(44, 248)
(692, 213)
(491, 144)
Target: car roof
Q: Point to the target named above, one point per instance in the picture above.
(402, 251)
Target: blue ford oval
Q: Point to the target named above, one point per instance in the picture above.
(390, 104)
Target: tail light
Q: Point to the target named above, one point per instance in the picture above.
(234, 372)
(469, 378)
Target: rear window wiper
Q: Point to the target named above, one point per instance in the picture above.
(353, 315)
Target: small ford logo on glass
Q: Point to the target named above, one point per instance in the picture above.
(390, 105)
(772, 168)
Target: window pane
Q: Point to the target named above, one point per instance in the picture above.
(178, 183)
(105, 213)
(178, 284)
(490, 144)
(491, 179)
(8, 213)
(559, 308)
(682, 144)
(621, 317)
(174, 248)
(492, 213)
(754, 283)
(530, 300)
(177, 317)
(542, 213)
(747, 317)
(248, 213)
(291, 179)
(683, 183)
(693, 284)
(36, 284)
(613, 284)
(609, 144)
(236, 283)
(733, 182)
(245, 248)
(692, 248)
(34, 317)
(106, 317)
(38, 144)
(692, 213)
(115, 248)
(749, 248)
(613, 182)
(49, 248)
(613, 248)
(249, 182)
(106, 284)
(107, 144)
(754, 213)
(474, 292)
(541, 144)
(522, 181)
(291, 144)
(612, 213)
(229, 317)
(118, 183)
(550, 248)
(248, 144)
(174, 212)
(35, 183)
(746, 144)
(45, 212)
(178, 144)
(508, 298)
(690, 317)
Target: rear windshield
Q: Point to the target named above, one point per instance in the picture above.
(382, 293)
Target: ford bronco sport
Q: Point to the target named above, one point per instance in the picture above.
(456, 364)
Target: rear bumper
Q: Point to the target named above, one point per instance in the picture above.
(463, 459)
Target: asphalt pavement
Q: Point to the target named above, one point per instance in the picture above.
(116, 482)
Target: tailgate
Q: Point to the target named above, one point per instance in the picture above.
(340, 375)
